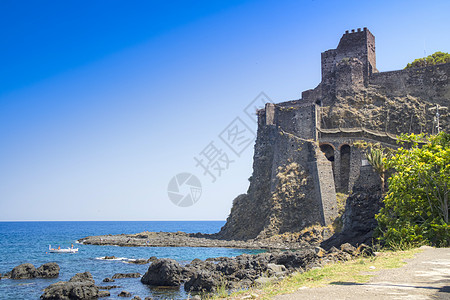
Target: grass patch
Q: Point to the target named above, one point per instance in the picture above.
(355, 271)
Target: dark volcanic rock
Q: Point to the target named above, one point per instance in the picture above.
(302, 260)
(124, 294)
(81, 286)
(126, 275)
(24, 271)
(108, 287)
(364, 250)
(110, 257)
(48, 270)
(107, 279)
(139, 261)
(203, 281)
(244, 270)
(164, 272)
(348, 248)
(360, 209)
(27, 271)
(103, 294)
(82, 277)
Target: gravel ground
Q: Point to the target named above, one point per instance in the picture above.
(426, 276)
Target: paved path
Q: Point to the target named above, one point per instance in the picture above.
(426, 276)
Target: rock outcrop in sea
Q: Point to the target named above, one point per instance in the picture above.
(81, 286)
(29, 271)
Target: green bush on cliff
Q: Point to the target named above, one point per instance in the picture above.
(417, 203)
(434, 59)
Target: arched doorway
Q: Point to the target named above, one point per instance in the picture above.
(328, 150)
(345, 152)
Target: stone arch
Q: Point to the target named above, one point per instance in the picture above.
(344, 164)
(328, 150)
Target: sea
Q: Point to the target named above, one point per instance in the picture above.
(28, 242)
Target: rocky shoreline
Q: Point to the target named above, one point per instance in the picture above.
(198, 276)
(244, 271)
(182, 239)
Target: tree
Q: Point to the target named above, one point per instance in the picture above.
(416, 206)
(436, 58)
(378, 156)
(378, 159)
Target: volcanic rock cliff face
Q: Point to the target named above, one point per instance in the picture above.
(281, 196)
(304, 148)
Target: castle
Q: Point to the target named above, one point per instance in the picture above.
(304, 151)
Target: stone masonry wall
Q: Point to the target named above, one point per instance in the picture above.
(304, 149)
(430, 83)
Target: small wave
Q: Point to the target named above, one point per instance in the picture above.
(24, 284)
(112, 259)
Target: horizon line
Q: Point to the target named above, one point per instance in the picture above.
(110, 220)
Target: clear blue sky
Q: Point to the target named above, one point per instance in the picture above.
(102, 102)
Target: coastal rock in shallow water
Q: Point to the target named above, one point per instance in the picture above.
(124, 294)
(164, 272)
(48, 270)
(28, 271)
(126, 275)
(24, 271)
(81, 287)
(103, 294)
(82, 277)
(107, 279)
(139, 261)
(108, 287)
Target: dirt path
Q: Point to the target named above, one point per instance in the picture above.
(426, 276)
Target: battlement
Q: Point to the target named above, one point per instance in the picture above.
(353, 30)
(359, 44)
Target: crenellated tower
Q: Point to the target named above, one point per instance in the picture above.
(359, 44)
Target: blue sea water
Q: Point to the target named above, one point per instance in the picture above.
(27, 242)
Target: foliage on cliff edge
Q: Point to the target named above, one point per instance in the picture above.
(436, 58)
(416, 205)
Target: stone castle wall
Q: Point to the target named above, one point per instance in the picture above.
(431, 83)
(304, 150)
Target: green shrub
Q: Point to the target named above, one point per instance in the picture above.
(434, 59)
(417, 203)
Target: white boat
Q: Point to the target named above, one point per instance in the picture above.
(59, 250)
